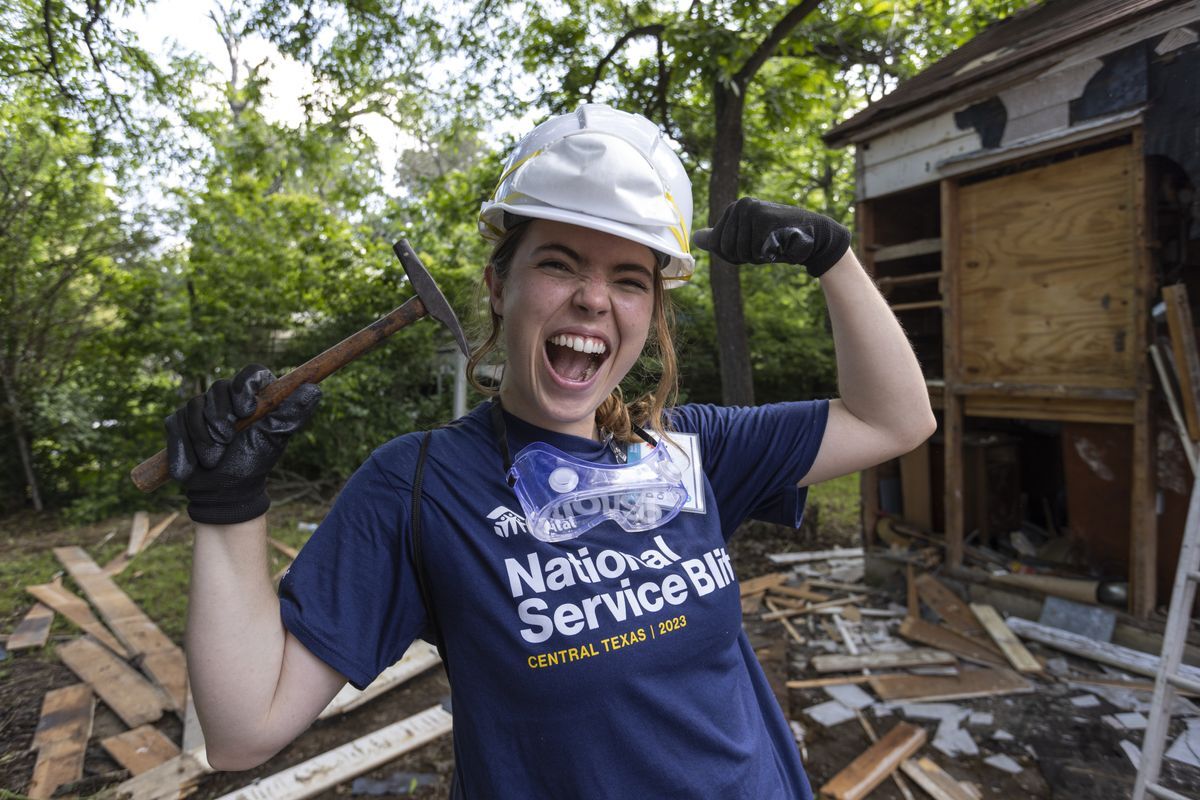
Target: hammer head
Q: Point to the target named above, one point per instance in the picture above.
(431, 296)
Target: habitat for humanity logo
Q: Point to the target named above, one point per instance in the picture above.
(507, 522)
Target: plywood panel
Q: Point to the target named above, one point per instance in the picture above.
(1047, 274)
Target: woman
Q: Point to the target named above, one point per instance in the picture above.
(593, 641)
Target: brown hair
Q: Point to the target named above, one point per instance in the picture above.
(614, 414)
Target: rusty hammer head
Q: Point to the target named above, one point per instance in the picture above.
(431, 296)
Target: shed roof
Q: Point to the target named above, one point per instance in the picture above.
(1015, 45)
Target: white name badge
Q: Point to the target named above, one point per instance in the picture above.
(684, 449)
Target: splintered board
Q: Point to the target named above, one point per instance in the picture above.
(33, 630)
(133, 698)
(76, 610)
(162, 658)
(141, 749)
(1046, 274)
(61, 738)
(875, 764)
(963, 686)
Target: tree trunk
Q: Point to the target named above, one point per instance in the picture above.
(733, 349)
(14, 410)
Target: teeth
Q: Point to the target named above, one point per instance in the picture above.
(579, 343)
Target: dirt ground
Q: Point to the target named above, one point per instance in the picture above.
(1065, 752)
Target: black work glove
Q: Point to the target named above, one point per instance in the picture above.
(754, 231)
(224, 470)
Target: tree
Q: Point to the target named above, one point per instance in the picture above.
(701, 71)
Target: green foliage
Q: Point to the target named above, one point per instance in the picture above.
(274, 241)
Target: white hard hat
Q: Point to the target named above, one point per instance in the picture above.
(603, 169)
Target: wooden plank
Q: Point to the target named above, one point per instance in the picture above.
(350, 760)
(118, 564)
(787, 623)
(835, 680)
(888, 281)
(1112, 654)
(171, 780)
(918, 247)
(802, 592)
(875, 764)
(61, 738)
(953, 611)
(1059, 409)
(419, 657)
(1021, 659)
(137, 533)
(131, 697)
(952, 410)
(1187, 360)
(286, 549)
(141, 749)
(1143, 522)
(965, 685)
(762, 583)
(787, 613)
(920, 657)
(752, 603)
(868, 729)
(919, 305)
(914, 486)
(193, 734)
(161, 657)
(918, 630)
(1046, 288)
(819, 555)
(33, 630)
(936, 782)
(77, 611)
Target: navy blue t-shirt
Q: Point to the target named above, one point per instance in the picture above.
(613, 665)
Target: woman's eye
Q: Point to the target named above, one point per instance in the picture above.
(554, 266)
(632, 283)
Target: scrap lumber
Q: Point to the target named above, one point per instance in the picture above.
(61, 738)
(761, 583)
(875, 764)
(787, 623)
(33, 630)
(118, 564)
(1168, 391)
(835, 680)
(1183, 343)
(193, 735)
(1021, 659)
(836, 586)
(77, 611)
(350, 760)
(133, 698)
(752, 603)
(286, 549)
(936, 782)
(963, 686)
(918, 630)
(1104, 652)
(171, 780)
(802, 592)
(918, 657)
(161, 657)
(796, 612)
(419, 657)
(820, 555)
(137, 533)
(141, 749)
(873, 738)
(952, 611)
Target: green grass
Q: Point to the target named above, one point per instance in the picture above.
(839, 503)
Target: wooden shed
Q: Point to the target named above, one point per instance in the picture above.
(1026, 204)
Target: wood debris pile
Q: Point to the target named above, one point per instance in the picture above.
(928, 662)
(123, 659)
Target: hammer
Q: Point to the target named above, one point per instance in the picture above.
(429, 301)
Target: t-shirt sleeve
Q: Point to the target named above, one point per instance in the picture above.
(755, 457)
(351, 596)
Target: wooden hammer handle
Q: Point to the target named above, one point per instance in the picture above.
(153, 472)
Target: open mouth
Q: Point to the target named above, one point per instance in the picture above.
(575, 359)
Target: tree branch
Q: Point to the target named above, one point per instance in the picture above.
(767, 46)
(629, 35)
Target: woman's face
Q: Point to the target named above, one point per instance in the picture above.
(576, 309)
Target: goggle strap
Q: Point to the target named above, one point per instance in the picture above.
(500, 432)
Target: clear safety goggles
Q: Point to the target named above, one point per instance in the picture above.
(563, 496)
